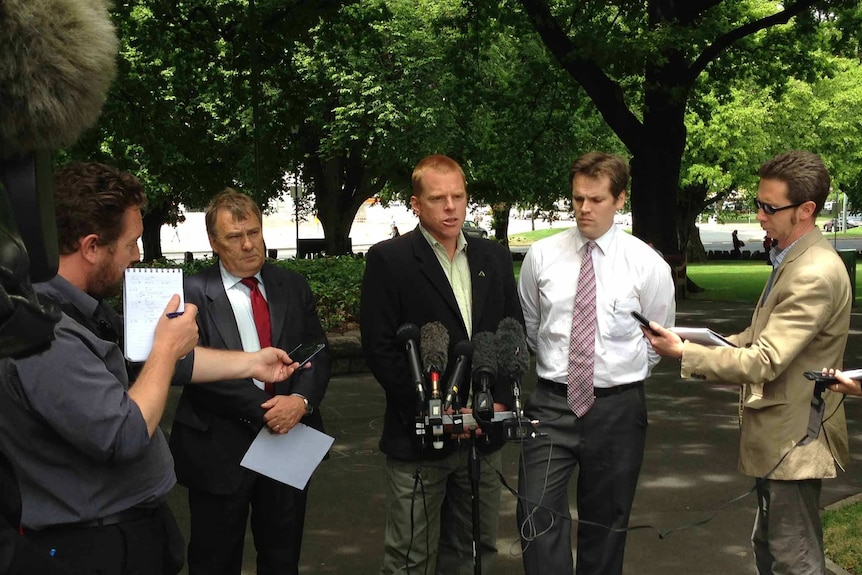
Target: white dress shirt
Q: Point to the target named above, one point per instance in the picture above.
(239, 297)
(630, 276)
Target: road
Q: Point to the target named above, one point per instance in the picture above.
(373, 224)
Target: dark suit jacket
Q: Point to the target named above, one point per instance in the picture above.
(216, 422)
(404, 283)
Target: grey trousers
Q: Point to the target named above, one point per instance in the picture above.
(605, 448)
(429, 526)
(787, 537)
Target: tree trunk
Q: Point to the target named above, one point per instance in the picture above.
(691, 203)
(340, 186)
(500, 213)
(151, 239)
(657, 156)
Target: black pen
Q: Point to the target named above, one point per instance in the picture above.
(174, 314)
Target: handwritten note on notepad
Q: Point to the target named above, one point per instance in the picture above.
(146, 292)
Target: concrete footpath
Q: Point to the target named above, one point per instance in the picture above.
(689, 474)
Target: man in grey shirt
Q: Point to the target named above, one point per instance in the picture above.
(93, 465)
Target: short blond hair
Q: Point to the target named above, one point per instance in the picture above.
(437, 163)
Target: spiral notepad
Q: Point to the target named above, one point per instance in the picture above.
(146, 292)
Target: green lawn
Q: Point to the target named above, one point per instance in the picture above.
(527, 238)
(740, 281)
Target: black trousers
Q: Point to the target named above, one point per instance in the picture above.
(606, 446)
(218, 528)
(144, 546)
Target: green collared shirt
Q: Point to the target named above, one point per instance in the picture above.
(457, 272)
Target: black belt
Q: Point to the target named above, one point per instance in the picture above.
(127, 516)
(562, 388)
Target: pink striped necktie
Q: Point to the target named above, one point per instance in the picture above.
(582, 344)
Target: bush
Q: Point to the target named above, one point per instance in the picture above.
(335, 283)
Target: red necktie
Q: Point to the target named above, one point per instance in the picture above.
(582, 345)
(260, 311)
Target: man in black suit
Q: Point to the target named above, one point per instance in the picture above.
(434, 274)
(213, 428)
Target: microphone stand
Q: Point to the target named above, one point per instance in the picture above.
(473, 473)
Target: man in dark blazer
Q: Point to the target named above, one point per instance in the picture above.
(213, 428)
(433, 274)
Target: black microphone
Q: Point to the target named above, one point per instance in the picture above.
(407, 335)
(484, 373)
(463, 351)
(513, 358)
(434, 345)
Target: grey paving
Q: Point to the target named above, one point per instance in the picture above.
(689, 474)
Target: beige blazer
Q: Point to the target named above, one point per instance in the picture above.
(801, 325)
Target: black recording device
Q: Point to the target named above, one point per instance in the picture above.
(818, 404)
(644, 322)
(303, 353)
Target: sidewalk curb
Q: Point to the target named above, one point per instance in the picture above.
(835, 569)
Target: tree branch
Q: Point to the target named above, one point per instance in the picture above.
(606, 94)
(724, 42)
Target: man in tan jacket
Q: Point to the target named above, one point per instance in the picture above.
(800, 323)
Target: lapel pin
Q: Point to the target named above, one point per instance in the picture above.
(481, 274)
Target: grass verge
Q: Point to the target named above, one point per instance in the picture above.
(842, 533)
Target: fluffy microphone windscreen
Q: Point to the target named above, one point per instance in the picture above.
(434, 346)
(57, 61)
(485, 352)
(513, 359)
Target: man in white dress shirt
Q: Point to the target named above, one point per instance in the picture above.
(578, 289)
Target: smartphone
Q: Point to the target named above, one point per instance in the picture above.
(305, 351)
(644, 321)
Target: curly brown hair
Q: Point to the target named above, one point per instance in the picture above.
(92, 198)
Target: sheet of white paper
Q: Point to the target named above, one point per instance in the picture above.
(291, 457)
(853, 373)
(701, 335)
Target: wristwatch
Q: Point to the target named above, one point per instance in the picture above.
(308, 407)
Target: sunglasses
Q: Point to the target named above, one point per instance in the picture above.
(770, 210)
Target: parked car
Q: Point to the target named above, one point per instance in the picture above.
(852, 222)
(471, 230)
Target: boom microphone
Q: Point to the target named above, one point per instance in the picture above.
(407, 335)
(463, 351)
(484, 372)
(57, 62)
(513, 358)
